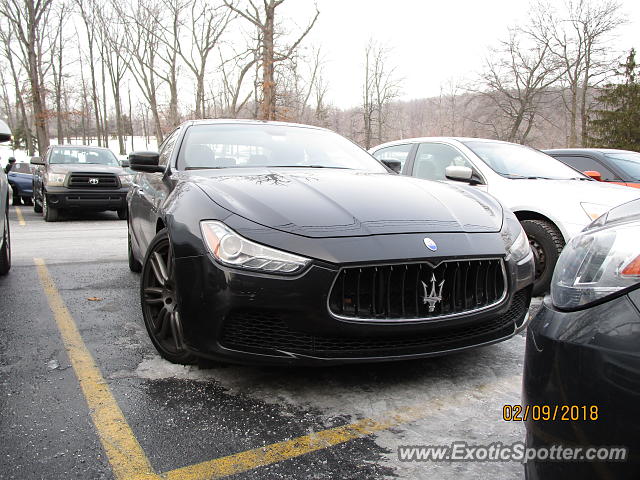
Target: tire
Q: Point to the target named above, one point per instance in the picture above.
(122, 213)
(27, 201)
(37, 207)
(17, 200)
(5, 250)
(159, 303)
(50, 214)
(546, 243)
(134, 265)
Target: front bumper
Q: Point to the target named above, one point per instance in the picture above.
(94, 199)
(584, 358)
(253, 318)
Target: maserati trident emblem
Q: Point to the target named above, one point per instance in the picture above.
(93, 181)
(435, 295)
(430, 244)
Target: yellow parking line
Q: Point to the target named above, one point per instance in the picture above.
(125, 454)
(21, 221)
(129, 461)
(277, 452)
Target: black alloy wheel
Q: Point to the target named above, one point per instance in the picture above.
(159, 302)
(5, 250)
(546, 244)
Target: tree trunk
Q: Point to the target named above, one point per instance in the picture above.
(268, 82)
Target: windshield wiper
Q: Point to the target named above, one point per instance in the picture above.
(305, 166)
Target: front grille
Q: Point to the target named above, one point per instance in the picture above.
(266, 332)
(93, 180)
(417, 290)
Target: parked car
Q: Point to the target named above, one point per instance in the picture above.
(583, 350)
(21, 180)
(5, 190)
(602, 164)
(552, 201)
(79, 177)
(275, 243)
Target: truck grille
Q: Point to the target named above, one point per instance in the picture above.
(93, 180)
(418, 290)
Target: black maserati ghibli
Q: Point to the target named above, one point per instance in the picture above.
(275, 243)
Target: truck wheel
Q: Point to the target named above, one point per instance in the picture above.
(37, 206)
(5, 251)
(546, 243)
(50, 214)
(122, 213)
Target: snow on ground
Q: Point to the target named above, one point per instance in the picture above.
(139, 143)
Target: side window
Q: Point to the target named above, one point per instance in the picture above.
(397, 152)
(167, 148)
(433, 158)
(585, 163)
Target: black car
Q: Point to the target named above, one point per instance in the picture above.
(278, 243)
(79, 177)
(583, 351)
(5, 238)
(604, 164)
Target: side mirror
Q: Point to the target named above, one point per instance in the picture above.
(5, 132)
(145, 162)
(36, 161)
(596, 175)
(460, 173)
(395, 165)
(125, 163)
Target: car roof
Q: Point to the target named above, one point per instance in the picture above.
(440, 139)
(246, 121)
(587, 150)
(86, 147)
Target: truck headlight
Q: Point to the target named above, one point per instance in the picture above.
(514, 237)
(596, 264)
(231, 249)
(126, 180)
(56, 179)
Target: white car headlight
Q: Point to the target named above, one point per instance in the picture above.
(233, 250)
(56, 179)
(126, 180)
(596, 264)
(594, 210)
(514, 237)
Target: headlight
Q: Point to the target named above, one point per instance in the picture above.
(125, 180)
(231, 249)
(596, 264)
(514, 237)
(594, 210)
(55, 179)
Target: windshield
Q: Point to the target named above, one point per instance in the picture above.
(83, 156)
(250, 145)
(628, 162)
(517, 161)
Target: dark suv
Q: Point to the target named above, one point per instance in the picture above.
(79, 177)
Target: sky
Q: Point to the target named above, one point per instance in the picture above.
(433, 42)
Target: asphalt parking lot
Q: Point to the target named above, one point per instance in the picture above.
(83, 393)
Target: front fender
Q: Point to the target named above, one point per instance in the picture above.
(182, 212)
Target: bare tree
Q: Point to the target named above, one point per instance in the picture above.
(27, 19)
(206, 25)
(516, 76)
(264, 20)
(580, 32)
(379, 88)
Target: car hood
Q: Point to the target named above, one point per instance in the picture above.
(560, 192)
(84, 167)
(334, 203)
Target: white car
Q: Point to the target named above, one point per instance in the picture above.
(552, 201)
